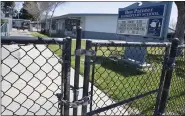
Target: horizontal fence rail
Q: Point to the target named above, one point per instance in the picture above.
(29, 40)
(123, 43)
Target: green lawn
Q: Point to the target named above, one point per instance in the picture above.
(121, 81)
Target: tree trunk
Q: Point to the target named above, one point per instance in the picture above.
(45, 26)
(37, 25)
(51, 19)
(179, 33)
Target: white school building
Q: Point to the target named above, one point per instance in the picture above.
(94, 26)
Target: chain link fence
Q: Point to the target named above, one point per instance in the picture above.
(31, 76)
(176, 99)
(124, 80)
(123, 86)
(119, 78)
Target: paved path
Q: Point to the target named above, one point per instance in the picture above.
(38, 82)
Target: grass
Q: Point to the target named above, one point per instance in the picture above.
(121, 81)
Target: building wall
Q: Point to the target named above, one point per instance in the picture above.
(94, 27)
(102, 23)
(60, 24)
(101, 27)
(83, 19)
(60, 28)
(61, 32)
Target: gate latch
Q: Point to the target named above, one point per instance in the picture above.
(84, 101)
(85, 52)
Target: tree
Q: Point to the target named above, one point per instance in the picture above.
(23, 14)
(53, 10)
(7, 4)
(32, 8)
(173, 24)
(37, 9)
(46, 8)
(180, 27)
(15, 14)
(7, 7)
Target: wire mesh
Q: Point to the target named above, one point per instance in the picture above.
(116, 79)
(176, 99)
(31, 76)
(32, 73)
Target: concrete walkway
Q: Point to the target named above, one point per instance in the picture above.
(38, 82)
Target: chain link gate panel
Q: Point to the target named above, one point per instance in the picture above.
(36, 78)
(120, 88)
(176, 99)
(32, 75)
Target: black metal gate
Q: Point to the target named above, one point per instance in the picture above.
(101, 81)
(119, 87)
(32, 75)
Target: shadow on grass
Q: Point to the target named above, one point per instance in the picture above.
(155, 58)
(125, 69)
(119, 66)
(177, 96)
(180, 68)
(180, 72)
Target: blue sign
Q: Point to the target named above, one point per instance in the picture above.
(150, 19)
(154, 27)
(142, 12)
(143, 22)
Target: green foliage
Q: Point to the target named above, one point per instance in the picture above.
(6, 4)
(25, 15)
(31, 5)
(7, 7)
(4, 21)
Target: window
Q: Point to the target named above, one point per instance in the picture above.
(70, 23)
(53, 26)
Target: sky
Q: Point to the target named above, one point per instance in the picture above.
(98, 7)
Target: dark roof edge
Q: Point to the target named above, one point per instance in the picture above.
(84, 14)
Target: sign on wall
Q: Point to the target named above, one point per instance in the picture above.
(133, 26)
(142, 12)
(146, 20)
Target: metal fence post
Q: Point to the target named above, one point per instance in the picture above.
(163, 72)
(6, 29)
(62, 78)
(86, 76)
(92, 81)
(77, 68)
(168, 76)
(67, 66)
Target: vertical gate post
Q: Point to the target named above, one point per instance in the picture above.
(92, 81)
(86, 76)
(168, 76)
(162, 78)
(62, 80)
(67, 66)
(6, 29)
(61, 95)
(77, 68)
